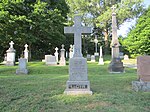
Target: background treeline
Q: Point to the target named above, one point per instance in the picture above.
(40, 24)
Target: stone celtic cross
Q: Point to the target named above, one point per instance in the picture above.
(77, 30)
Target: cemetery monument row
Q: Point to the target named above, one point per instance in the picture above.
(115, 66)
(78, 78)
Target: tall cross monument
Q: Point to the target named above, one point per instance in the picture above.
(116, 66)
(78, 79)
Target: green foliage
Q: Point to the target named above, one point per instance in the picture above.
(37, 23)
(42, 90)
(98, 13)
(138, 39)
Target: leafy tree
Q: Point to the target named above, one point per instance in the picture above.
(98, 13)
(138, 39)
(36, 22)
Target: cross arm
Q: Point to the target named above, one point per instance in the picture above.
(86, 30)
(68, 29)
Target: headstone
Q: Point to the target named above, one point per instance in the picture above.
(92, 58)
(26, 52)
(71, 51)
(62, 61)
(56, 54)
(50, 60)
(101, 61)
(22, 66)
(11, 55)
(126, 57)
(143, 71)
(78, 79)
(115, 66)
(88, 57)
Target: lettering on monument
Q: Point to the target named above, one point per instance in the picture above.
(77, 86)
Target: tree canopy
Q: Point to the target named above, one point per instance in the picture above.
(98, 13)
(138, 39)
(38, 23)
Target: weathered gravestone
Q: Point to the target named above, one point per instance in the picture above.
(115, 66)
(78, 79)
(26, 52)
(22, 66)
(50, 60)
(10, 61)
(56, 54)
(62, 61)
(101, 61)
(92, 58)
(88, 57)
(143, 71)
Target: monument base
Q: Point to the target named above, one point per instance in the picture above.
(78, 77)
(116, 66)
(10, 63)
(51, 63)
(78, 88)
(141, 86)
(21, 71)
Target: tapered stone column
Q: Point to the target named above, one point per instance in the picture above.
(115, 66)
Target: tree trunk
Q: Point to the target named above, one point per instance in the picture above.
(106, 41)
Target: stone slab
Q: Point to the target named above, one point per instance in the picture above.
(22, 66)
(77, 88)
(93, 58)
(143, 68)
(21, 71)
(78, 69)
(50, 60)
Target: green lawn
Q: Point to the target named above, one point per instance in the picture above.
(42, 91)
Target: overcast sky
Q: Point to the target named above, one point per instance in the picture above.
(125, 27)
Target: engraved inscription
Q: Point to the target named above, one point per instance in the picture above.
(77, 86)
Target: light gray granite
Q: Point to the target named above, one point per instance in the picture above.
(78, 78)
(22, 66)
(141, 86)
(50, 60)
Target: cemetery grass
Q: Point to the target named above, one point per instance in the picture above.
(42, 91)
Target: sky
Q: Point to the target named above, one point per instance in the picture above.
(124, 28)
